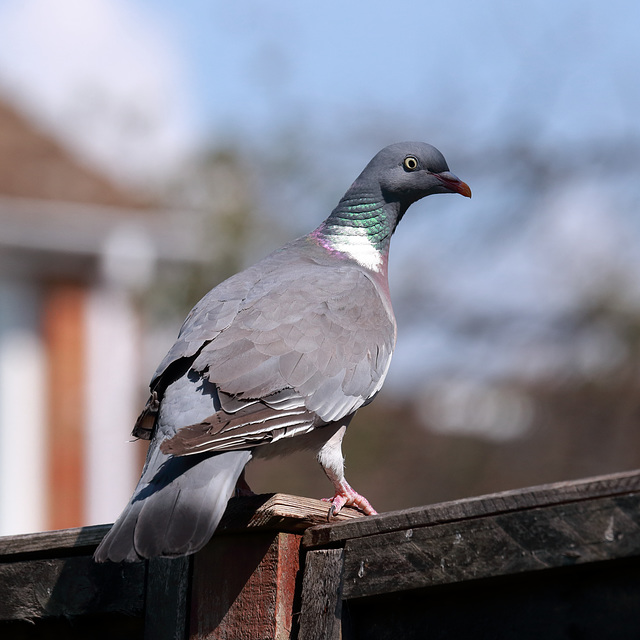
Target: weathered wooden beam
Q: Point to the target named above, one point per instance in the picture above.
(272, 511)
(166, 611)
(51, 573)
(69, 587)
(243, 587)
(52, 542)
(321, 601)
(498, 545)
(279, 512)
(552, 494)
(590, 602)
(243, 584)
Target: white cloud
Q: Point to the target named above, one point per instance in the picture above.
(104, 75)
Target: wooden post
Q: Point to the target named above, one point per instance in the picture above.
(321, 611)
(166, 598)
(243, 587)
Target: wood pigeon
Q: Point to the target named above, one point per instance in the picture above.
(277, 358)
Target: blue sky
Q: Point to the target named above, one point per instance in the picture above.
(256, 64)
(466, 72)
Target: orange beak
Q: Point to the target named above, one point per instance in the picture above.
(453, 183)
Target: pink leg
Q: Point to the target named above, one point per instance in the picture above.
(330, 457)
(346, 496)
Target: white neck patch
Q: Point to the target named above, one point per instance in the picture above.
(357, 245)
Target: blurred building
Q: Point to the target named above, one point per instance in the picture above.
(75, 252)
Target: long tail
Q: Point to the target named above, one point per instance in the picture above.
(176, 507)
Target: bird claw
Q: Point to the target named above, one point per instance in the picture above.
(346, 496)
(337, 502)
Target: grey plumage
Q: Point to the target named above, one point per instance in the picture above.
(277, 357)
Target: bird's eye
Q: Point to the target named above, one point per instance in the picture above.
(410, 163)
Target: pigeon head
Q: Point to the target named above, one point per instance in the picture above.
(409, 171)
(362, 224)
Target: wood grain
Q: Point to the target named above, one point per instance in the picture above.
(503, 544)
(279, 512)
(243, 587)
(504, 502)
(321, 608)
(69, 587)
(593, 601)
(166, 613)
(52, 542)
(243, 584)
(272, 511)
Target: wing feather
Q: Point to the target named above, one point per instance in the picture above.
(292, 349)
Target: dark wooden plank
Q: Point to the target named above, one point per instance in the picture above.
(504, 502)
(321, 610)
(73, 586)
(166, 614)
(106, 626)
(508, 543)
(243, 587)
(52, 542)
(273, 512)
(595, 601)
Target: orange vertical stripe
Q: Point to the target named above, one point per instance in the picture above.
(64, 329)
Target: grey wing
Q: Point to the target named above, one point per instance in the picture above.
(213, 313)
(304, 350)
(208, 318)
(218, 309)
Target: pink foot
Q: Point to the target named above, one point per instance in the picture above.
(346, 496)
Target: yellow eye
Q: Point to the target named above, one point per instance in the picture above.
(410, 163)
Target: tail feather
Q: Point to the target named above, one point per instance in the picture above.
(175, 508)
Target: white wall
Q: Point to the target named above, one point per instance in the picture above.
(114, 353)
(22, 411)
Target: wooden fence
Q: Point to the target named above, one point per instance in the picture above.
(558, 561)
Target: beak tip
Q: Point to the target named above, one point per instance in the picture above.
(464, 189)
(453, 184)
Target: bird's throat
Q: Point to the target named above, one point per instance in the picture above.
(361, 228)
